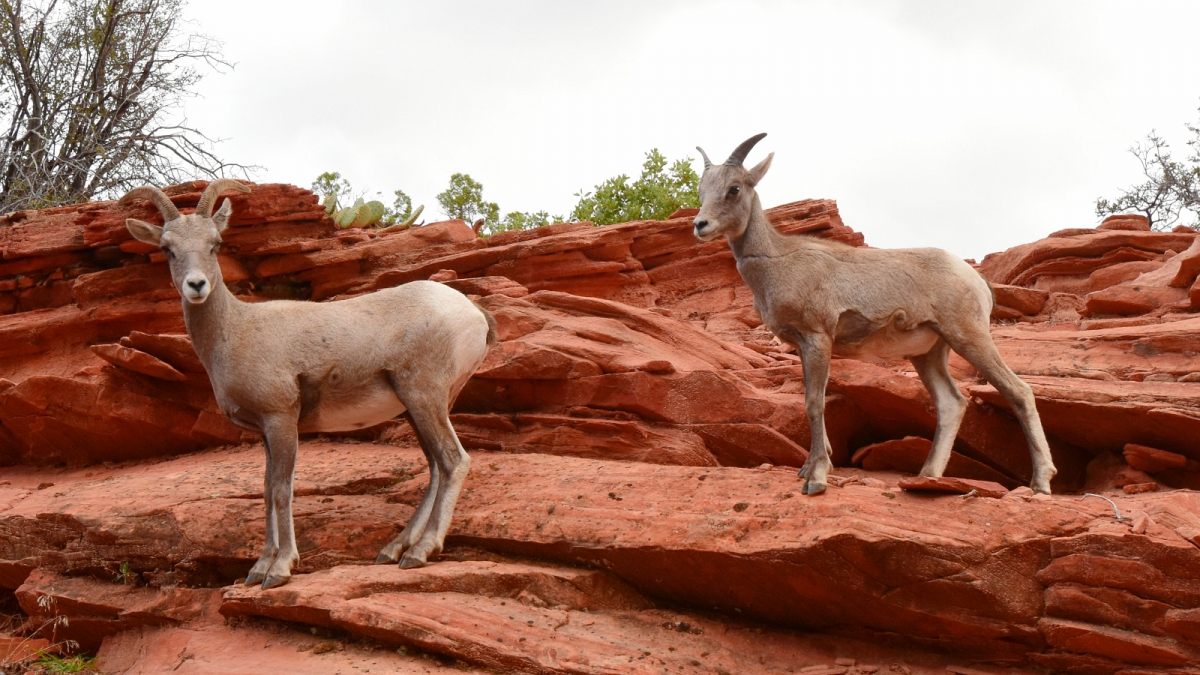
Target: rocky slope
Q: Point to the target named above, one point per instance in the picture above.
(631, 506)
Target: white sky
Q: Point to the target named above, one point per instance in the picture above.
(972, 126)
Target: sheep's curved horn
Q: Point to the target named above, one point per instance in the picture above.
(156, 197)
(707, 163)
(213, 191)
(739, 153)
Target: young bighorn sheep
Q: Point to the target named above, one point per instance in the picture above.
(284, 367)
(827, 298)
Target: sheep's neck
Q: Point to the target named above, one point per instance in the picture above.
(206, 322)
(759, 239)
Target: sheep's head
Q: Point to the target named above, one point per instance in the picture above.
(727, 194)
(191, 241)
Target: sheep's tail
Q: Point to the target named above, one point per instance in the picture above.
(492, 336)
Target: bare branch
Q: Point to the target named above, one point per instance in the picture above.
(90, 95)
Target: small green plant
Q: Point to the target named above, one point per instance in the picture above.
(124, 574)
(50, 663)
(362, 213)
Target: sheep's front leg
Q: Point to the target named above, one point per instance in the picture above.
(815, 352)
(271, 539)
(274, 567)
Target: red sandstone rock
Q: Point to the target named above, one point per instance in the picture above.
(1125, 221)
(1024, 300)
(632, 342)
(908, 454)
(518, 618)
(19, 650)
(974, 571)
(1098, 279)
(1105, 415)
(210, 646)
(138, 362)
(1129, 298)
(97, 609)
(176, 350)
(958, 486)
(1153, 460)
(1081, 254)
(280, 245)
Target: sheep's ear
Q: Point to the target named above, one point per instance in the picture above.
(221, 217)
(760, 170)
(151, 234)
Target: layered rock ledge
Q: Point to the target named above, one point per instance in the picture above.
(1054, 581)
(633, 505)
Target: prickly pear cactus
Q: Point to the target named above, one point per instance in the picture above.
(378, 210)
(345, 217)
(361, 214)
(406, 224)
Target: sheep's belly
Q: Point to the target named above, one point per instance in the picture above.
(890, 345)
(330, 416)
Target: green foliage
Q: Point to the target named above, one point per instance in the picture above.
(401, 209)
(124, 574)
(464, 200)
(49, 663)
(332, 187)
(656, 194)
(1171, 187)
(520, 220)
(337, 190)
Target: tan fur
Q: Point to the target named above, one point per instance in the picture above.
(828, 298)
(285, 367)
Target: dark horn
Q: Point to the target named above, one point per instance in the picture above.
(707, 163)
(213, 191)
(154, 196)
(739, 154)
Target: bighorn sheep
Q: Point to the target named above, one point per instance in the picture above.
(284, 367)
(827, 298)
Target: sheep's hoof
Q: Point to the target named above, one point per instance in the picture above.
(804, 471)
(811, 488)
(1041, 489)
(272, 581)
(254, 578)
(384, 558)
(409, 562)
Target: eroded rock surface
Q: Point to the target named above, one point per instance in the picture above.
(635, 436)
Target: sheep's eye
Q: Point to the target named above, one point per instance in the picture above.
(733, 192)
(215, 247)
(170, 253)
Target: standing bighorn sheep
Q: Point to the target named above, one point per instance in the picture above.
(284, 367)
(827, 298)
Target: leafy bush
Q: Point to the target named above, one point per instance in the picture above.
(464, 200)
(656, 194)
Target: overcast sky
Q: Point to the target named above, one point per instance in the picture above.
(972, 126)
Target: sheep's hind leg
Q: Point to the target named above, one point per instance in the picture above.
(452, 460)
(981, 352)
(951, 405)
(815, 353)
(416, 525)
(280, 430)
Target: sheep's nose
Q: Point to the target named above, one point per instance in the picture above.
(197, 284)
(700, 224)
